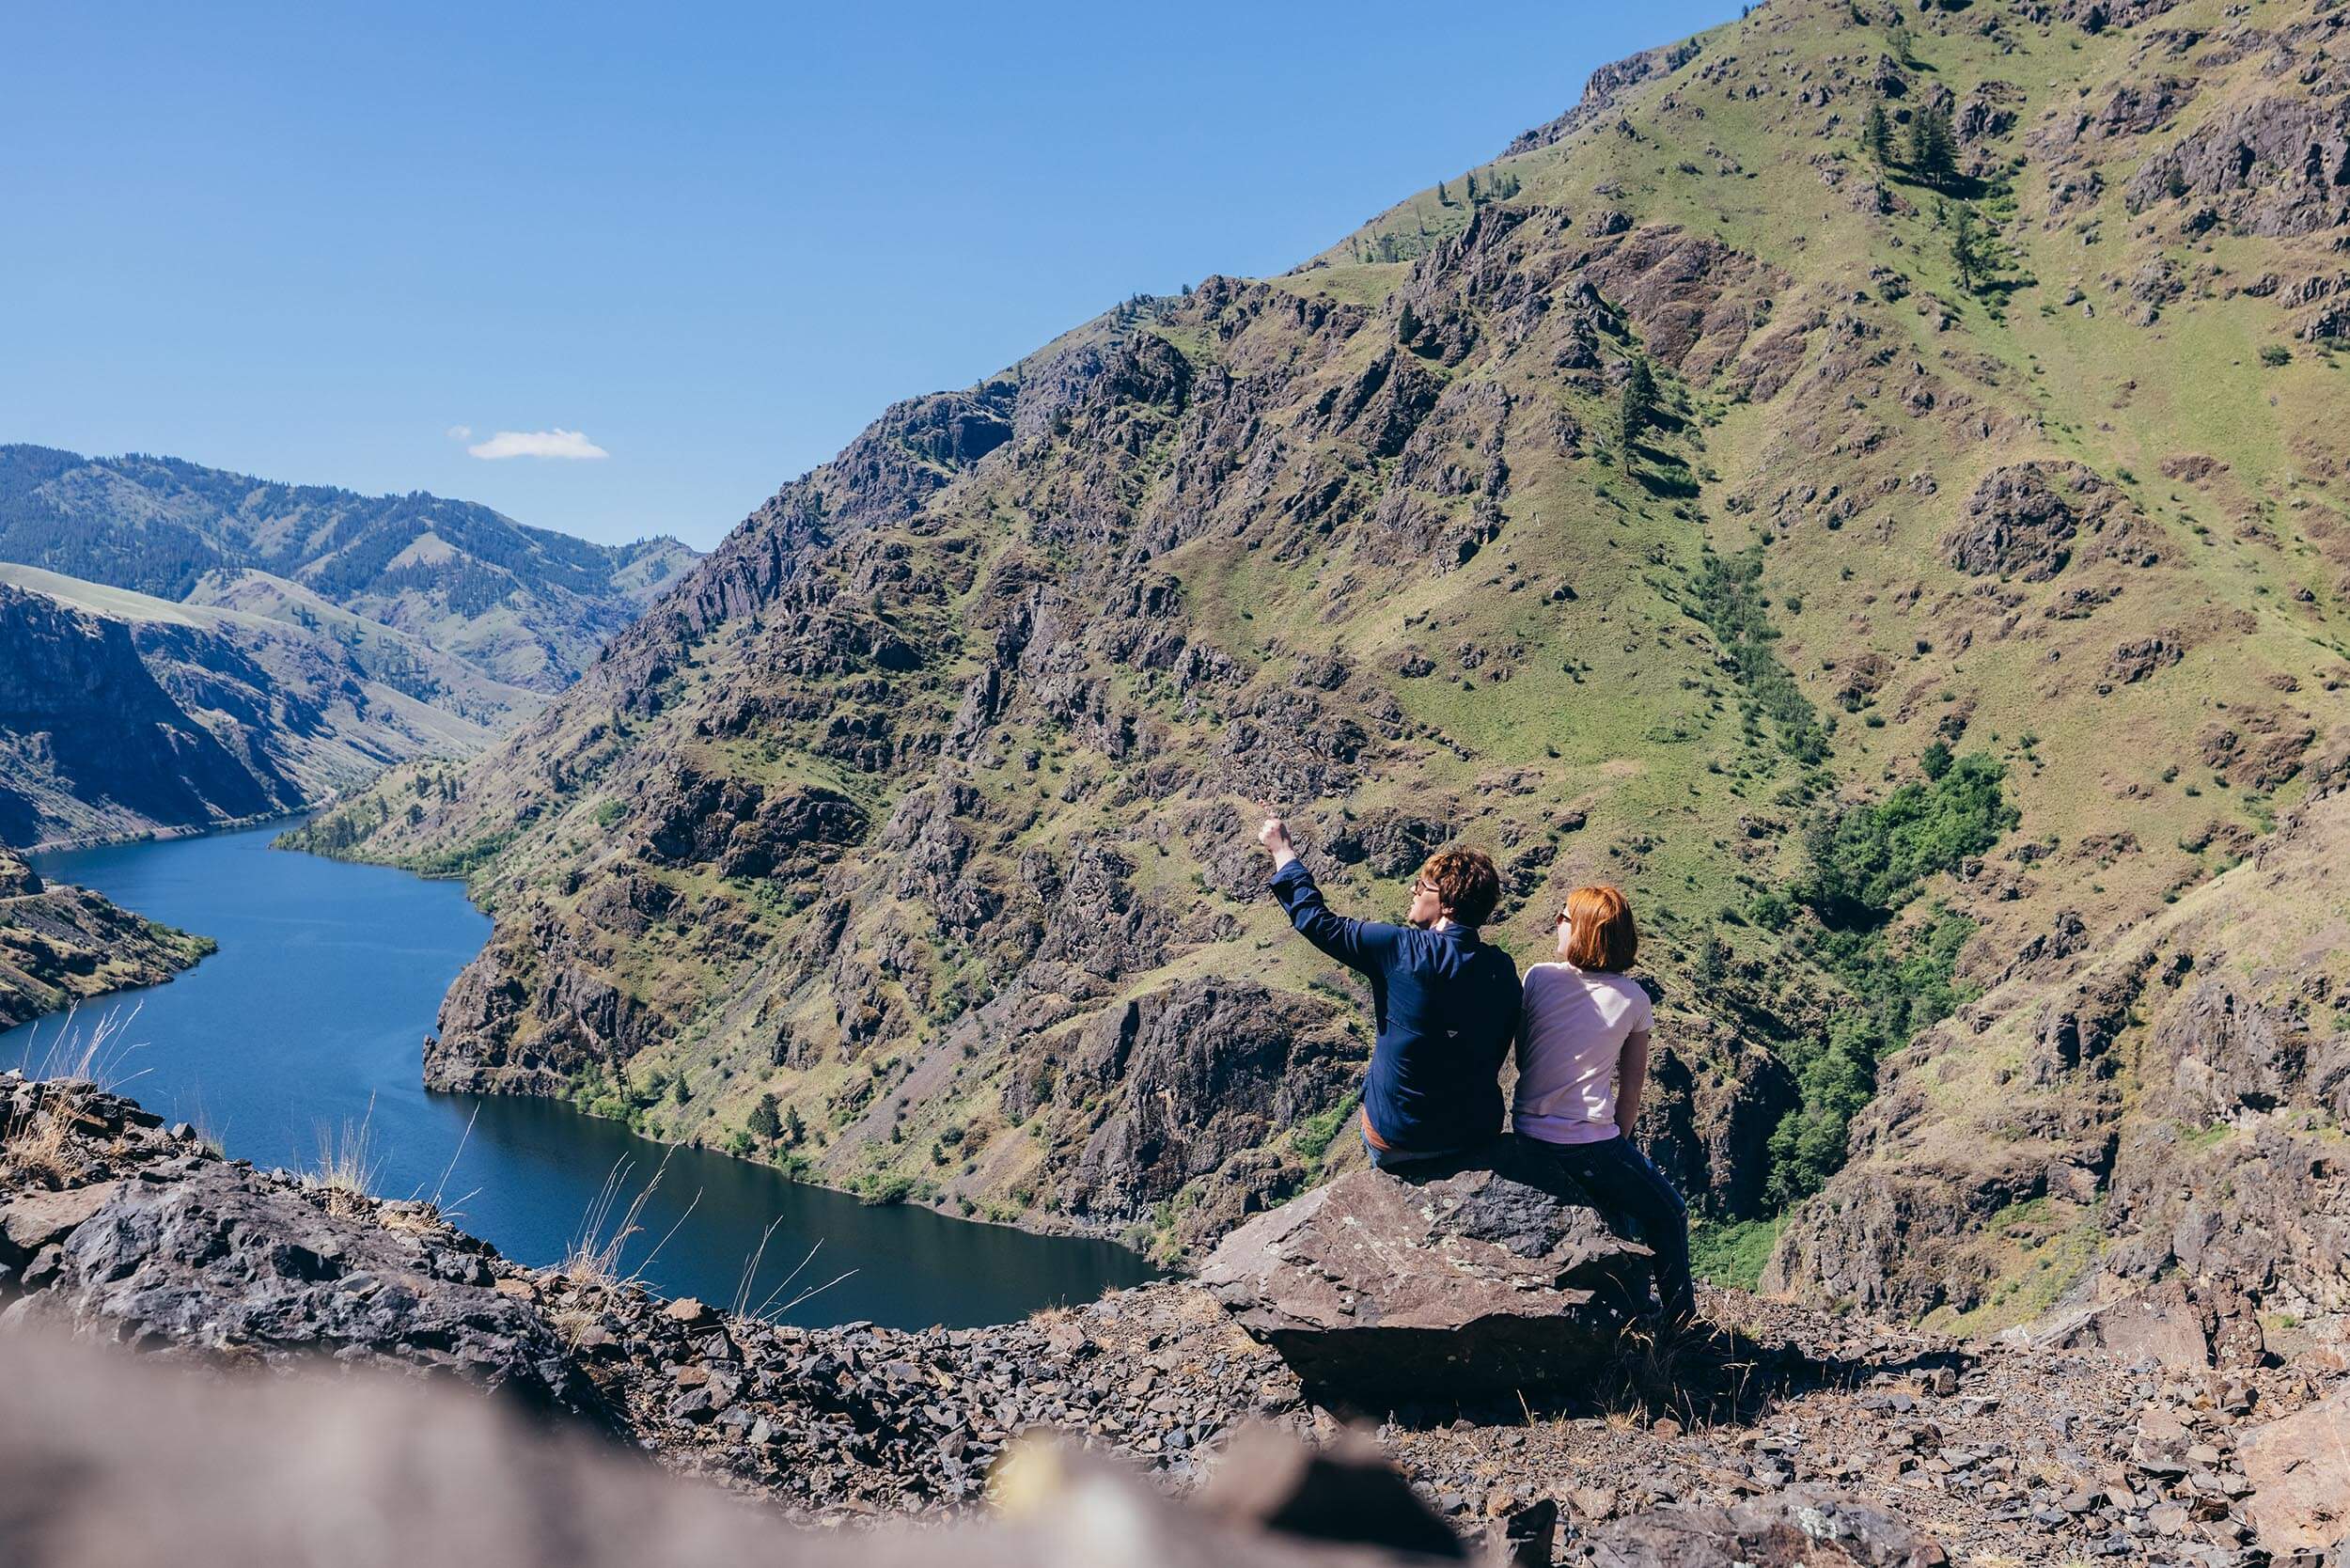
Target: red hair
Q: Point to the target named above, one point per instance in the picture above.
(1603, 935)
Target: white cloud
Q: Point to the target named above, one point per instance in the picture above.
(461, 433)
(537, 444)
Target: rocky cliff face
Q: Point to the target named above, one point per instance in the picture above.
(126, 714)
(61, 944)
(887, 844)
(85, 723)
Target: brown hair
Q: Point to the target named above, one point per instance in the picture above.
(1466, 881)
(1603, 936)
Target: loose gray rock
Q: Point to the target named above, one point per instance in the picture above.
(1784, 1529)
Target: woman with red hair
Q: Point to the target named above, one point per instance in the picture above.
(1582, 1049)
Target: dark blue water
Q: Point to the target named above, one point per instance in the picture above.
(311, 1019)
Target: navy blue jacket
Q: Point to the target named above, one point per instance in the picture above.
(1447, 1006)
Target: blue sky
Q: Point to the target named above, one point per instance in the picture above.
(319, 243)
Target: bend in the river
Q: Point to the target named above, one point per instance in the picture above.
(308, 1023)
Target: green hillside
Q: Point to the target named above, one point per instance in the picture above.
(1893, 565)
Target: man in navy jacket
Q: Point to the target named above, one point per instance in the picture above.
(1445, 1001)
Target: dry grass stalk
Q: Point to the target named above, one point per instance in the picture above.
(348, 1163)
(592, 1262)
(37, 1142)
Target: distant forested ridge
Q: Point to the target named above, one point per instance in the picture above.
(185, 646)
(525, 605)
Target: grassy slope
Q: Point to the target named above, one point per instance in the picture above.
(1690, 801)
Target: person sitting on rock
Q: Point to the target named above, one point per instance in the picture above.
(1582, 1046)
(1446, 1003)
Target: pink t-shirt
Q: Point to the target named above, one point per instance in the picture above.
(1571, 1037)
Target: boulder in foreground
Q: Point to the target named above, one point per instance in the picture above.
(198, 1253)
(1469, 1284)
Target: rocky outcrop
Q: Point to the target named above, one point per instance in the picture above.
(2299, 1468)
(742, 829)
(61, 944)
(1477, 1282)
(1602, 90)
(1793, 1528)
(2275, 166)
(215, 1255)
(520, 1020)
(2028, 519)
(1196, 1076)
(1712, 1104)
(1799, 1432)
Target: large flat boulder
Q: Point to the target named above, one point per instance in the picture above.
(2175, 1326)
(1469, 1282)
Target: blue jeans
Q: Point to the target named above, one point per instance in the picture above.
(1615, 1178)
(1391, 1159)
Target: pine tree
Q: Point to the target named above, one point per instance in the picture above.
(1472, 187)
(1636, 406)
(765, 1125)
(1876, 135)
(1635, 410)
(1933, 146)
(1443, 197)
(795, 1130)
(1967, 249)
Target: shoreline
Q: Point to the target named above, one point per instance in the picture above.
(1027, 1223)
(1031, 1222)
(165, 834)
(1066, 1230)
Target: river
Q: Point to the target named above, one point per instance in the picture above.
(307, 1025)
